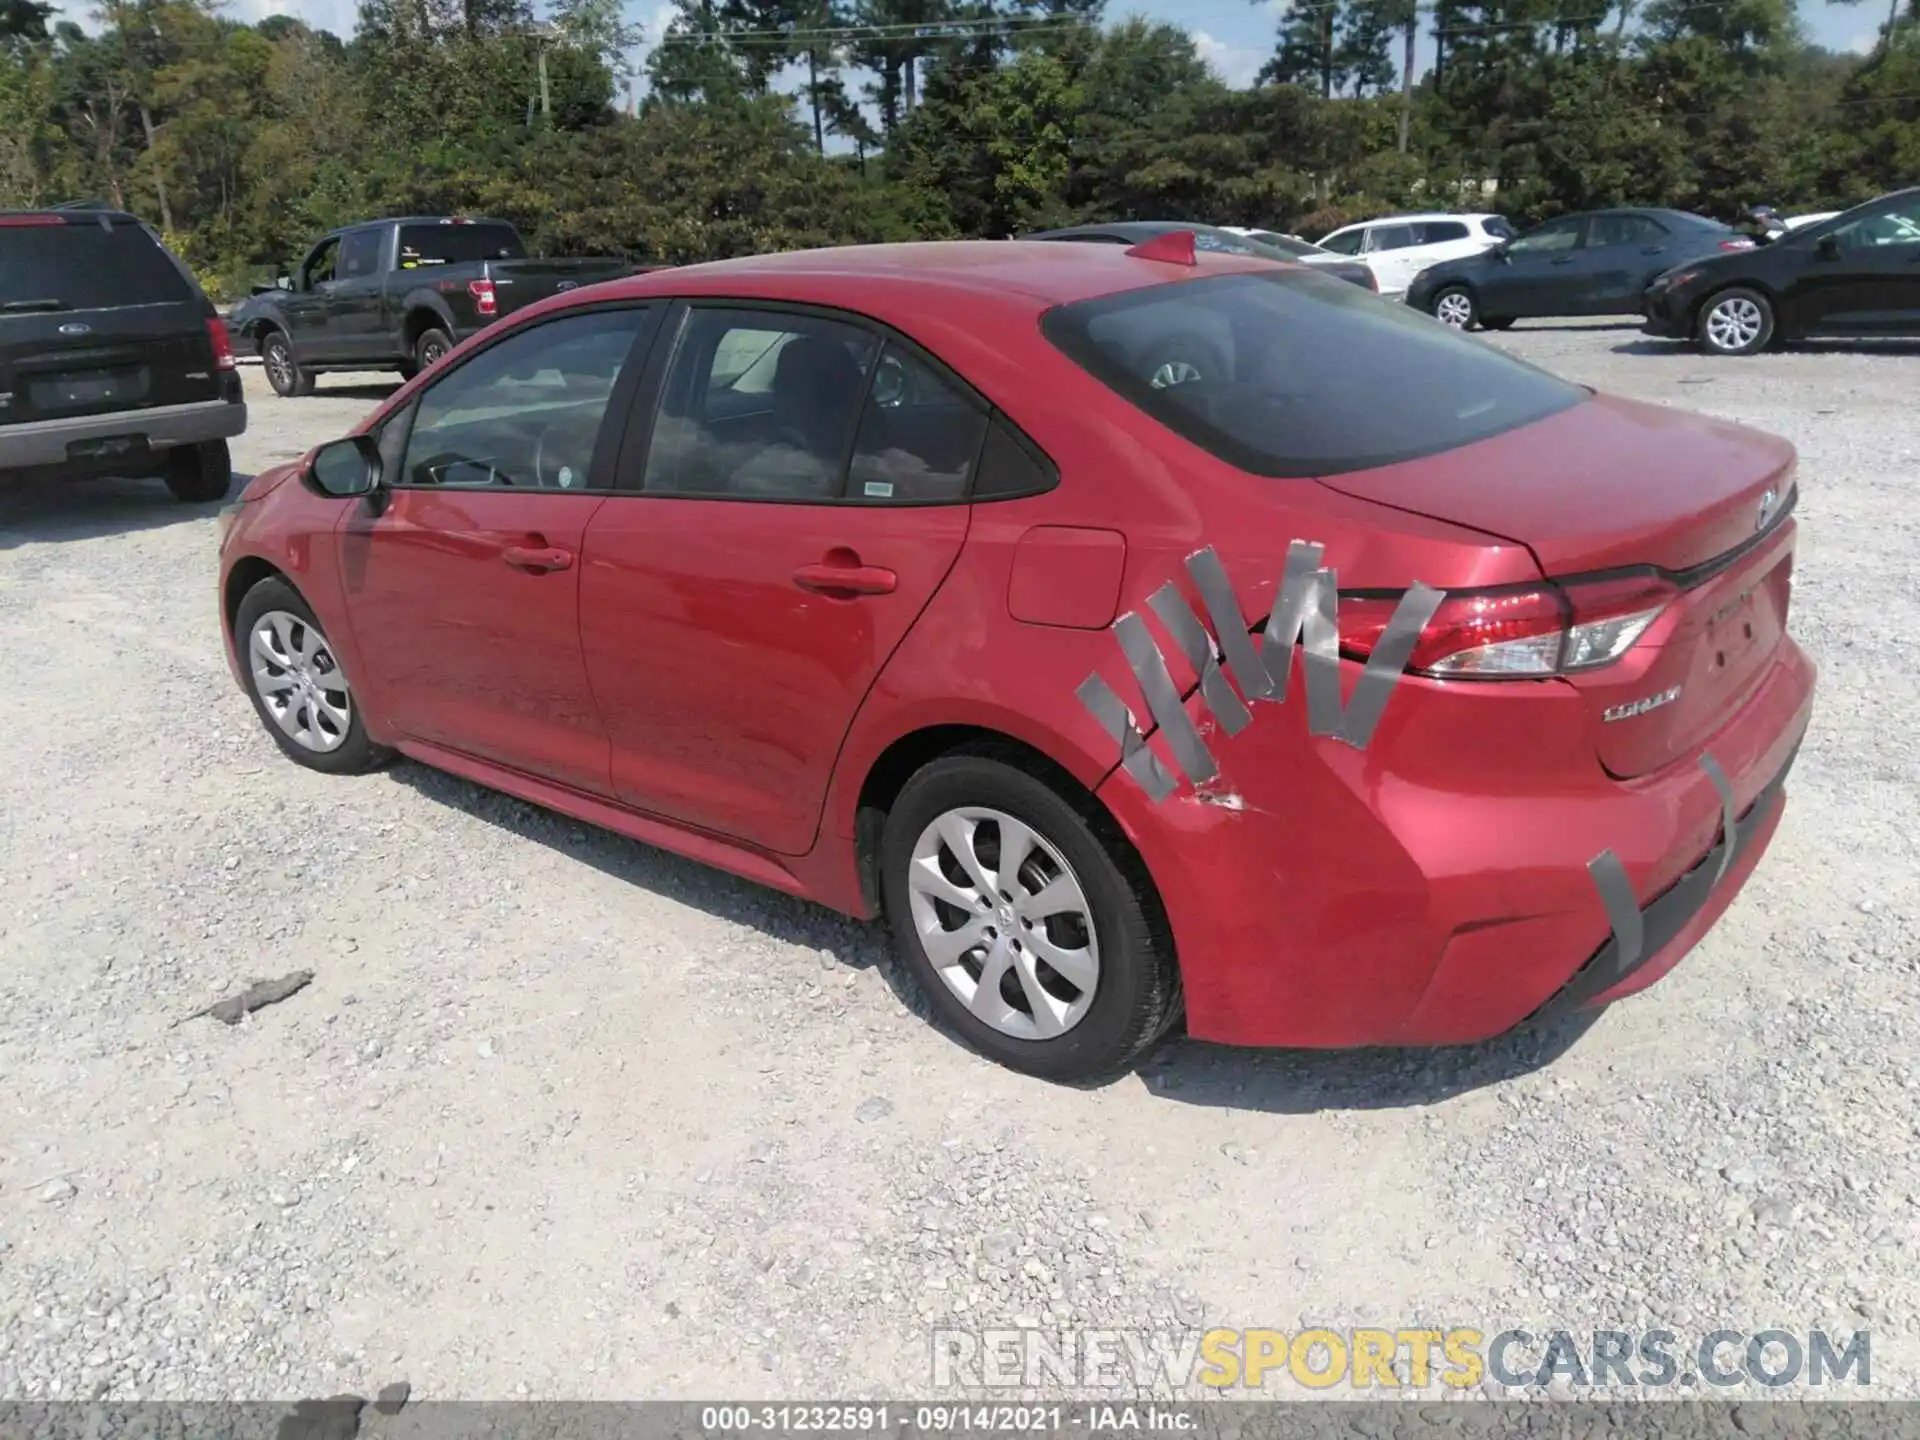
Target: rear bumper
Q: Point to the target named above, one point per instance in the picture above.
(41, 443)
(1433, 889)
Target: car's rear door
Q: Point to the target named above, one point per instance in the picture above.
(96, 318)
(1624, 252)
(739, 601)
(463, 587)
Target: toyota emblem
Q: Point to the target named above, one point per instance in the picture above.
(1766, 510)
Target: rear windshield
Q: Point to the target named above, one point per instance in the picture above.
(84, 265)
(1295, 374)
(455, 244)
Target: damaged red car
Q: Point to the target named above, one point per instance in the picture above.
(860, 572)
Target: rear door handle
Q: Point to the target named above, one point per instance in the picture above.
(537, 559)
(846, 579)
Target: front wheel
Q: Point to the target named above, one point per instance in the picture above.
(1025, 933)
(297, 686)
(1454, 307)
(283, 370)
(200, 474)
(1735, 322)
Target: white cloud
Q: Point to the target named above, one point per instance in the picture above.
(1235, 64)
(1865, 42)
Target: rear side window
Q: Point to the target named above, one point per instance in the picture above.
(919, 436)
(1282, 374)
(1440, 232)
(1346, 243)
(86, 266)
(1393, 237)
(424, 245)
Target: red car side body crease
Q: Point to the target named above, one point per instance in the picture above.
(679, 686)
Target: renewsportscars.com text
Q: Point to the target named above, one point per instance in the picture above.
(1403, 1357)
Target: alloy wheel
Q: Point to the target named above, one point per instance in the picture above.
(1004, 922)
(1734, 323)
(299, 682)
(279, 365)
(1455, 309)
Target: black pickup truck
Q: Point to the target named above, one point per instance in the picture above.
(397, 295)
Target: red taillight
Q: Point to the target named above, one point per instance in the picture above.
(1517, 631)
(1739, 242)
(222, 343)
(1373, 280)
(17, 220)
(484, 300)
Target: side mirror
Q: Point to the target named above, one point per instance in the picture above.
(345, 468)
(1828, 247)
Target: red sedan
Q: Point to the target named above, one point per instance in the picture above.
(964, 584)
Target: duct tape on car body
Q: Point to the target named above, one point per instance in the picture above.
(1623, 908)
(1169, 712)
(1117, 720)
(1729, 818)
(1197, 646)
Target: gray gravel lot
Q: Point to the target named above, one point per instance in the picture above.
(565, 1117)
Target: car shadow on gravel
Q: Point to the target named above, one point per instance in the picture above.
(41, 511)
(1303, 1082)
(1648, 345)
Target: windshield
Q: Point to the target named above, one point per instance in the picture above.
(86, 266)
(1282, 374)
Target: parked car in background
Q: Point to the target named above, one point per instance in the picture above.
(112, 360)
(1269, 237)
(1853, 275)
(397, 295)
(1593, 263)
(802, 565)
(1398, 247)
(1221, 240)
(1800, 222)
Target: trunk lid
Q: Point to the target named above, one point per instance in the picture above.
(1673, 498)
(96, 318)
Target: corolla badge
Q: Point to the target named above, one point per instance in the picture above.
(74, 327)
(1640, 707)
(1766, 510)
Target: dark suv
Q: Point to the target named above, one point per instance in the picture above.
(112, 360)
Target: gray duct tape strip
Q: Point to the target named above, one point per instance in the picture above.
(1320, 651)
(1299, 584)
(1387, 663)
(1197, 646)
(1150, 669)
(1729, 820)
(1623, 909)
(1216, 593)
(1114, 717)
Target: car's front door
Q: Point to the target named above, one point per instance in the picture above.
(463, 587)
(1393, 255)
(308, 307)
(1624, 252)
(1864, 277)
(1541, 274)
(800, 495)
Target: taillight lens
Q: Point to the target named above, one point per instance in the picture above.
(1739, 242)
(1516, 632)
(222, 343)
(484, 300)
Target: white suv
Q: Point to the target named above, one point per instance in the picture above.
(1398, 247)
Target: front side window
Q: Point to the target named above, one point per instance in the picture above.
(1899, 224)
(319, 266)
(524, 413)
(1552, 236)
(1282, 374)
(759, 405)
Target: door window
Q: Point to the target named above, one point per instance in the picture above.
(1392, 237)
(1624, 230)
(1554, 235)
(524, 413)
(1897, 225)
(760, 405)
(1441, 232)
(1346, 242)
(319, 267)
(359, 254)
(919, 436)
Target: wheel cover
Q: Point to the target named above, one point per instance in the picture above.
(1004, 922)
(430, 353)
(1734, 324)
(279, 364)
(1454, 309)
(299, 682)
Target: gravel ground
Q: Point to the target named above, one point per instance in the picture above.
(564, 1117)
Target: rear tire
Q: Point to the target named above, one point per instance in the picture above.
(200, 474)
(280, 643)
(284, 372)
(1735, 322)
(430, 348)
(1454, 307)
(1116, 991)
